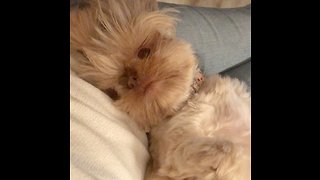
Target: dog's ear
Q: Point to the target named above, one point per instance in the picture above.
(96, 68)
(153, 29)
(110, 23)
(82, 27)
(120, 12)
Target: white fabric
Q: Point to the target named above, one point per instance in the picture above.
(105, 143)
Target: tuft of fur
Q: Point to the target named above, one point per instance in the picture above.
(208, 139)
(107, 38)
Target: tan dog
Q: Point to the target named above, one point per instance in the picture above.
(129, 47)
(208, 139)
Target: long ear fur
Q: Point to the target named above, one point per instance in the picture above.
(107, 32)
(109, 16)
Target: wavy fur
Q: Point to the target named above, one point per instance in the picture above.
(209, 139)
(106, 38)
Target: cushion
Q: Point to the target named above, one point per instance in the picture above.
(220, 37)
(242, 72)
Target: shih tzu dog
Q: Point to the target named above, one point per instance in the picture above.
(128, 49)
(208, 139)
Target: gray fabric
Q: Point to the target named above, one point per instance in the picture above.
(220, 37)
(242, 72)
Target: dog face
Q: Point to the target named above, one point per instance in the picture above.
(155, 80)
(138, 56)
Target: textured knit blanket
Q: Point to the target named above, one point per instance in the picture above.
(105, 143)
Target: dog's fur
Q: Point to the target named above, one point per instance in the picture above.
(208, 139)
(109, 39)
(130, 47)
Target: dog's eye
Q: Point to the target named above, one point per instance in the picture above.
(143, 53)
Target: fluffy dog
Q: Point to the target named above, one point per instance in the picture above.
(208, 139)
(130, 48)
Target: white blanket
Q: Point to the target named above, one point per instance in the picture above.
(105, 143)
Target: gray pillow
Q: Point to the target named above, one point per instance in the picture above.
(242, 72)
(220, 37)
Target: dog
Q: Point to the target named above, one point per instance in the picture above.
(130, 48)
(208, 139)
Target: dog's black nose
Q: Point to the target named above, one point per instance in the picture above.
(132, 81)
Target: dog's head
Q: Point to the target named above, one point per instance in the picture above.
(134, 51)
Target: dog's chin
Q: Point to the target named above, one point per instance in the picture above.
(154, 101)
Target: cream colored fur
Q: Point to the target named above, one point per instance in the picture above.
(208, 139)
(107, 38)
